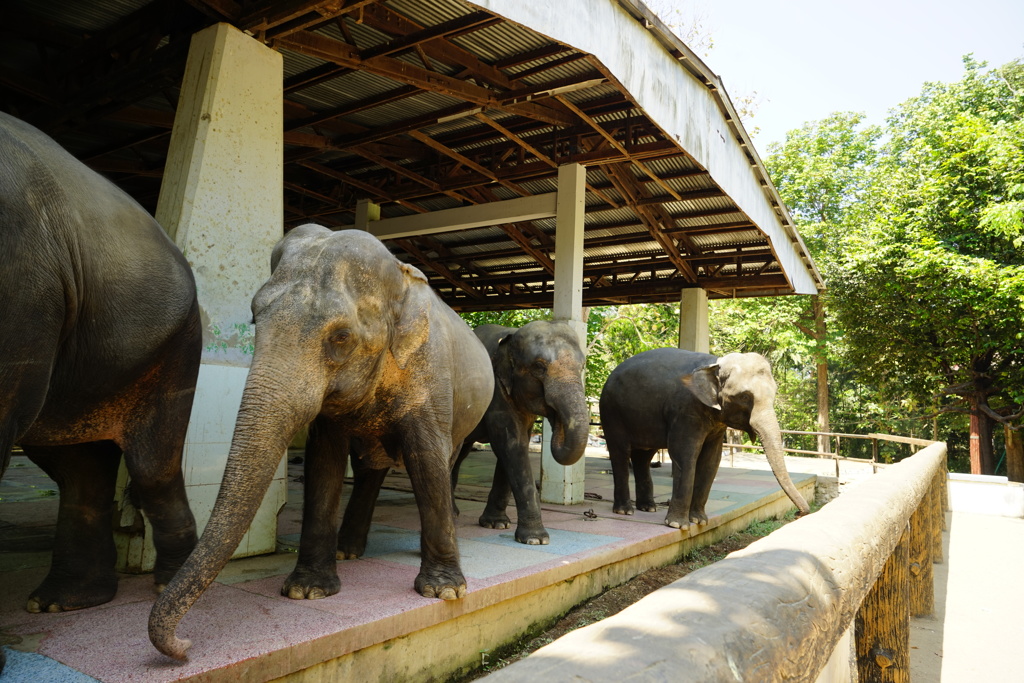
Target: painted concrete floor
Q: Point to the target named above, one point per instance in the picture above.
(242, 617)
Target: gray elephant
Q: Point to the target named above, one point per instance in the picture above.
(538, 370)
(99, 353)
(355, 342)
(683, 401)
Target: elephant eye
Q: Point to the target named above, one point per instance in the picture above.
(339, 336)
(539, 367)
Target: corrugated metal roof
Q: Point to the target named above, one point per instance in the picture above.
(412, 113)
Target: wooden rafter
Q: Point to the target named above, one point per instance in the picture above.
(629, 189)
(328, 49)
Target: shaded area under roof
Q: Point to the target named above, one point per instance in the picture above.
(421, 105)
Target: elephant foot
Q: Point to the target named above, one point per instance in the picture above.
(647, 506)
(349, 548)
(495, 520)
(305, 583)
(346, 555)
(677, 521)
(698, 517)
(622, 508)
(446, 584)
(66, 596)
(536, 535)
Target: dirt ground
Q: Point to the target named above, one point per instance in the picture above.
(618, 598)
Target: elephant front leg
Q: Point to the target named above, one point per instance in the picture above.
(683, 450)
(316, 574)
(707, 467)
(513, 471)
(440, 572)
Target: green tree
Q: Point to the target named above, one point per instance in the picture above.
(930, 291)
(823, 174)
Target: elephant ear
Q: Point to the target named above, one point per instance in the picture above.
(502, 361)
(705, 385)
(412, 328)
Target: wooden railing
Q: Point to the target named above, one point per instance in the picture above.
(778, 609)
(834, 455)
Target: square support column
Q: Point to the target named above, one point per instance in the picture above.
(693, 320)
(558, 484)
(366, 211)
(221, 202)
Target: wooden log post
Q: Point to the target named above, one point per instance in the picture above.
(919, 561)
(938, 516)
(882, 626)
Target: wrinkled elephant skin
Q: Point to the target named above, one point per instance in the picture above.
(538, 371)
(355, 342)
(684, 401)
(99, 353)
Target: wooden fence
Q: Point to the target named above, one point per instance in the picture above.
(776, 610)
(838, 439)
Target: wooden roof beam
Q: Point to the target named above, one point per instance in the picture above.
(630, 191)
(466, 161)
(328, 49)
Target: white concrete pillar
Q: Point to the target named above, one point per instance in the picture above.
(693, 320)
(221, 201)
(564, 485)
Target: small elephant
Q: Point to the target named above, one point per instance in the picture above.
(538, 370)
(354, 341)
(683, 401)
(99, 354)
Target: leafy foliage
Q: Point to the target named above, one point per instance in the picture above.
(918, 230)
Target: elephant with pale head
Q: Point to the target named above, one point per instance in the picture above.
(684, 401)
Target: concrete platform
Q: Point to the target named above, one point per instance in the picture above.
(377, 627)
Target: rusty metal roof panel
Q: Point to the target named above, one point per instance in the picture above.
(89, 16)
(328, 169)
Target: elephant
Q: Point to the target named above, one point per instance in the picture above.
(683, 401)
(354, 343)
(538, 370)
(99, 354)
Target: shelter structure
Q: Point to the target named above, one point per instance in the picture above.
(521, 154)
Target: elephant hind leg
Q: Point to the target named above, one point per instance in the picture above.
(619, 455)
(153, 444)
(641, 461)
(82, 570)
(462, 454)
(355, 527)
(494, 515)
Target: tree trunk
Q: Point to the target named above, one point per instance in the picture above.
(981, 438)
(1014, 454)
(821, 359)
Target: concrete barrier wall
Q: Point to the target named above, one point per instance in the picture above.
(773, 611)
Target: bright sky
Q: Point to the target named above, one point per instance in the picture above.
(808, 58)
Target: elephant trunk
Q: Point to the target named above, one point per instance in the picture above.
(766, 426)
(273, 409)
(570, 421)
